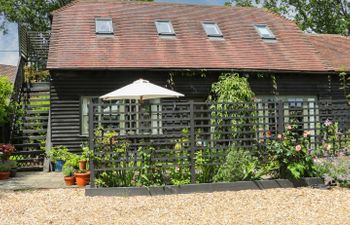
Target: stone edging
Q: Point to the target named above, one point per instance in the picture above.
(205, 187)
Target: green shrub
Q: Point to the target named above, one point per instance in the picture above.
(5, 166)
(6, 106)
(67, 170)
(59, 153)
(291, 151)
(334, 169)
(239, 165)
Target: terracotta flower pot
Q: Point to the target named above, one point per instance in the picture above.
(4, 175)
(69, 180)
(82, 179)
(82, 164)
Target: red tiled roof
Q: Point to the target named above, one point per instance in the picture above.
(136, 44)
(8, 71)
(335, 49)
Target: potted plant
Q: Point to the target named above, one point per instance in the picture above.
(13, 168)
(5, 168)
(6, 150)
(68, 173)
(82, 177)
(59, 155)
(85, 156)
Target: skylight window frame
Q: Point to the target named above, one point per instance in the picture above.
(109, 19)
(270, 37)
(218, 35)
(160, 33)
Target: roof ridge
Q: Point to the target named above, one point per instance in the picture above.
(64, 7)
(329, 35)
(173, 4)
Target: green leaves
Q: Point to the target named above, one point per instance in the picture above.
(6, 106)
(239, 165)
(320, 16)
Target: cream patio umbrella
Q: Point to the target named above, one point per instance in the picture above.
(141, 90)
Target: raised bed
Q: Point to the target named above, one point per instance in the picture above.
(206, 187)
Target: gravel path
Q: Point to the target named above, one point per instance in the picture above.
(274, 206)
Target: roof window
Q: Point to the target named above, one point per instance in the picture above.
(164, 27)
(212, 29)
(104, 26)
(264, 32)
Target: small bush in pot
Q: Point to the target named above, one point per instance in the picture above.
(5, 167)
(68, 173)
(59, 155)
(82, 177)
(13, 170)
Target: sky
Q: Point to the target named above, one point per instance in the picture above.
(9, 42)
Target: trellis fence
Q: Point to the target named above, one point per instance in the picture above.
(166, 136)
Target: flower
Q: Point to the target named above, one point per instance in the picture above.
(289, 127)
(6, 150)
(279, 136)
(306, 133)
(328, 122)
(327, 146)
(268, 134)
(298, 148)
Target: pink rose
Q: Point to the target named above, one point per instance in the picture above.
(298, 148)
(289, 127)
(306, 133)
(268, 134)
(279, 136)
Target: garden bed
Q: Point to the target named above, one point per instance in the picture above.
(205, 187)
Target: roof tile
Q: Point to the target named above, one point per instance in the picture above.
(136, 44)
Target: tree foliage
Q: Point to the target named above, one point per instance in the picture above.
(320, 16)
(33, 14)
(5, 97)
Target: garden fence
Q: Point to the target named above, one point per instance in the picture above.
(188, 138)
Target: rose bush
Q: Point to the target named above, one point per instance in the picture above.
(291, 151)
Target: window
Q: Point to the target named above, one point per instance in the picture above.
(212, 29)
(299, 110)
(104, 26)
(264, 32)
(84, 113)
(164, 27)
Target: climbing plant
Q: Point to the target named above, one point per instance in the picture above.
(232, 108)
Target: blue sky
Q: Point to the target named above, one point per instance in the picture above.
(9, 46)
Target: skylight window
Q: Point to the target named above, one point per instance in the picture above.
(264, 32)
(164, 27)
(104, 26)
(212, 29)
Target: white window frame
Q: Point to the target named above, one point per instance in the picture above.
(170, 32)
(84, 114)
(269, 36)
(110, 26)
(309, 118)
(215, 26)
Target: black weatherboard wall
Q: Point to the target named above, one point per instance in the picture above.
(68, 86)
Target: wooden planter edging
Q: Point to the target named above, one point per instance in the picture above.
(205, 187)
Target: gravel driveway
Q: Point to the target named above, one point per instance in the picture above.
(274, 206)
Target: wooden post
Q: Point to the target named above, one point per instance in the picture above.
(192, 144)
(280, 118)
(91, 143)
